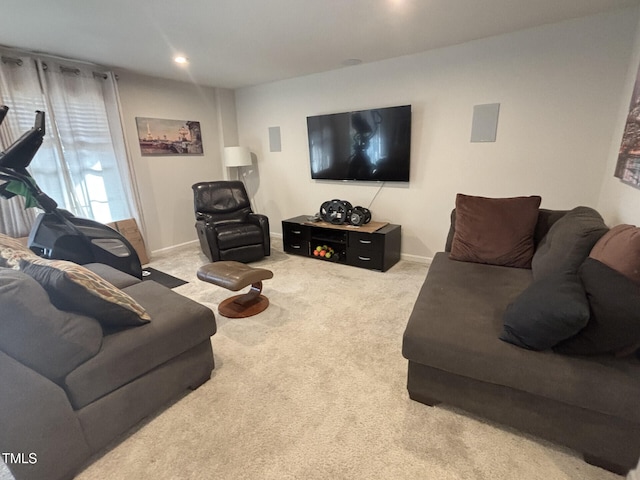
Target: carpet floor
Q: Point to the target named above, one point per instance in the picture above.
(314, 388)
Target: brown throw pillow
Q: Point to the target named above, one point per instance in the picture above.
(496, 231)
(619, 249)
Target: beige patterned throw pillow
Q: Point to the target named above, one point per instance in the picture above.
(12, 251)
(72, 287)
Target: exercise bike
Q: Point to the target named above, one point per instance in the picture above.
(57, 233)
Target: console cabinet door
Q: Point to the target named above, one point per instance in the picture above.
(295, 238)
(365, 250)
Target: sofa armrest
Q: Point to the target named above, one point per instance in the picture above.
(452, 231)
(38, 425)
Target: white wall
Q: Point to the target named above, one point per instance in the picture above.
(620, 203)
(559, 87)
(164, 182)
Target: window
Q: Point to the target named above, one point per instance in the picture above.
(81, 163)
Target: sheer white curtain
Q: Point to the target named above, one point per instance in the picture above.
(19, 89)
(82, 163)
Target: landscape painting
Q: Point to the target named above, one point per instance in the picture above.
(169, 137)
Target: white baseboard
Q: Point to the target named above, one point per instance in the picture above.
(172, 247)
(416, 258)
(278, 236)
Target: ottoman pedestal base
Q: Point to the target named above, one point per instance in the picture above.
(235, 276)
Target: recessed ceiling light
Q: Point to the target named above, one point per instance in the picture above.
(181, 60)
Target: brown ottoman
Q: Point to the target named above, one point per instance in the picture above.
(235, 276)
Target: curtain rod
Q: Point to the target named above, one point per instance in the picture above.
(15, 61)
(63, 68)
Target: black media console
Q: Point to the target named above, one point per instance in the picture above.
(357, 246)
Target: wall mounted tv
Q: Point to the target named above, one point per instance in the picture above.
(370, 145)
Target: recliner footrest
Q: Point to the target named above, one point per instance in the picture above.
(232, 275)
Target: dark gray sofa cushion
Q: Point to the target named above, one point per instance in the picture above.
(115, 277)
(455, 325)
(459, 308)
(36, 417)
(568, 242)
(114, 413)
(549, 311)
(178, 324)
(50, 341)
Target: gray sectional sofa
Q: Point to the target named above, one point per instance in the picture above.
(70, 385)
(456, 356)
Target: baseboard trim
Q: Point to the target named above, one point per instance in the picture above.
(173, 247)
(278, 236)
(416, 258)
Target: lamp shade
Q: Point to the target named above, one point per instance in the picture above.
(237, 157)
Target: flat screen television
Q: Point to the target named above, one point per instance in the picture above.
(368, 145)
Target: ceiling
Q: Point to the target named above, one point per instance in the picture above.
(236, 43)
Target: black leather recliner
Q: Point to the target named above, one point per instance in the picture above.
(227, 227)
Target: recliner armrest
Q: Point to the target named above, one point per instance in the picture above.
(262, 221)
(202, 216)
(259, 219)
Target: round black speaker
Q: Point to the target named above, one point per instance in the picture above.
(349, 207)
(367, 215)
(337, 212)
(359, 216)
(324, 210)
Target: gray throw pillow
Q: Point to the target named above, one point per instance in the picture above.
(547, 312)
(37, 334)
(614, 326)
(568, 242)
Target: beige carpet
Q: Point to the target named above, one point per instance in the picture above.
(314, 388)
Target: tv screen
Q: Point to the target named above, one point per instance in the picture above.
(370, 145)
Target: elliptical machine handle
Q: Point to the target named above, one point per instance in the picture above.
(39, 122)
(3, 112)
(47, 203)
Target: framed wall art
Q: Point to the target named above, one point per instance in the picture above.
(628, 165)
(169, 137)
